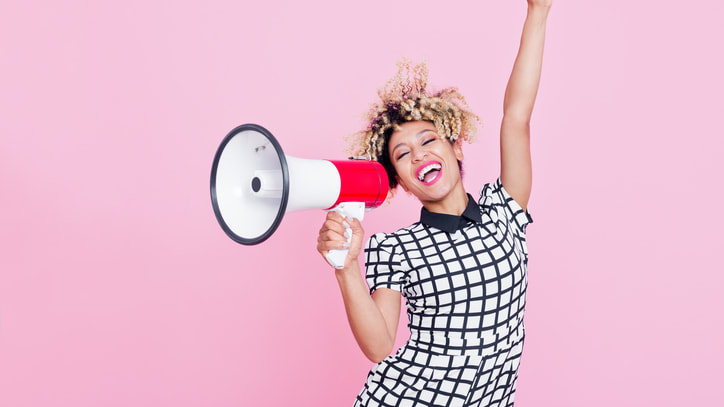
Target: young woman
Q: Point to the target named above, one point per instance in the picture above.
(463, 267)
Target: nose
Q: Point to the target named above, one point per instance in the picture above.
(418, 154)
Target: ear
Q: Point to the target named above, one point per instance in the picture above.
(402, 184)
(458, 149)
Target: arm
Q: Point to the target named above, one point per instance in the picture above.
(374, 318)
(515, 162)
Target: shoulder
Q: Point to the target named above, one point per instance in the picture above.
(391, 240)
(492, 193)
(495, 200)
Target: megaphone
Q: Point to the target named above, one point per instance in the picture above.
(253, 184)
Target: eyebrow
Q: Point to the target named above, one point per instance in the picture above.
(417, 136)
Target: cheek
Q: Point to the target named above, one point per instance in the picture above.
(399, 168)
(401, 174)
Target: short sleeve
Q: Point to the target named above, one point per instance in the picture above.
(382, 263)
(495, 197)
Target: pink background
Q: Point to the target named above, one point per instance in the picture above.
(118, 287)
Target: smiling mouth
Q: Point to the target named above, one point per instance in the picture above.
(429, 173)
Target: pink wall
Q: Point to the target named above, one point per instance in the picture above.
(118, 288)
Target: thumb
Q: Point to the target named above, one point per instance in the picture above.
(355, 225)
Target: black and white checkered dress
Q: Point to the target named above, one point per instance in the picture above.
(464, 279)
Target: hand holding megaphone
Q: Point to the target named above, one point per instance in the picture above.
(356, 210)
(338, 230)
(253, 184)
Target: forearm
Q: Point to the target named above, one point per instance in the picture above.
(365, 318)
(523, 84)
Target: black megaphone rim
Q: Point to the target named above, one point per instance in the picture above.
(285, 190)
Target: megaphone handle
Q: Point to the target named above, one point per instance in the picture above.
(351, 210)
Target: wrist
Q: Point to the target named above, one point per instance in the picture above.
(350, 268)
(539, 9)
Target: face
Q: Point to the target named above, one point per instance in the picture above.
(426, 165)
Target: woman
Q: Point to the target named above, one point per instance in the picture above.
(463, 266)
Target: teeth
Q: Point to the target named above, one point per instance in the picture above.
(426, 169)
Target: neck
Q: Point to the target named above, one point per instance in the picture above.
(453, 204)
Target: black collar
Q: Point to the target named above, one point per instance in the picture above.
(451, 223)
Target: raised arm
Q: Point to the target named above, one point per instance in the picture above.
(515, 163)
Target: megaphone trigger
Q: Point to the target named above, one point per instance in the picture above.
(356, 210)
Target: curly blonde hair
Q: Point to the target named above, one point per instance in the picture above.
(404, 98)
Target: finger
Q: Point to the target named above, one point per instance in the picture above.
(335, 226)
(328, 245)
(337, 234)
(324, 245)
(331, 223)
(332, 236)
(335, 217)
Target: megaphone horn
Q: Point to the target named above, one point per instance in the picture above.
(253, 184)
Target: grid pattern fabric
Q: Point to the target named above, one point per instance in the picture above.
(465, 293)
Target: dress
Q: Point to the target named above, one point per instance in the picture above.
(464, 279)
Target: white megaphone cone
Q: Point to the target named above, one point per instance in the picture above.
(253, 184)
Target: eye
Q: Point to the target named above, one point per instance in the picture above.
(401, 155)
(428, 141)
